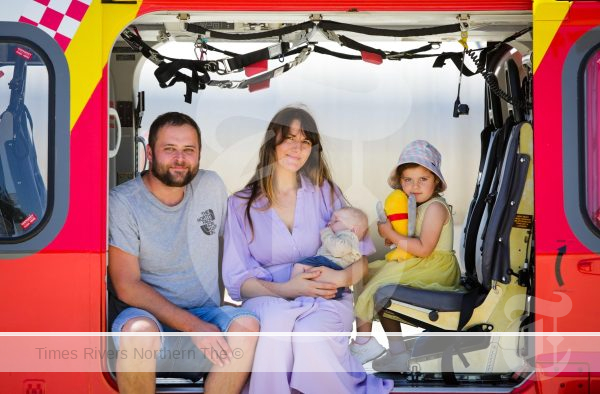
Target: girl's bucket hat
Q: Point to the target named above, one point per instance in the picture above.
(422, 153)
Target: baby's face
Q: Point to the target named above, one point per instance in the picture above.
(340, 221)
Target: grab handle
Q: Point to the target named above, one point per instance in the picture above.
(113, 152)
(590, 266)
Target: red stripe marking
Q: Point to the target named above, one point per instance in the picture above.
(397, 216)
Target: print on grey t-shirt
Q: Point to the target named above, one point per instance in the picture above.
(207, 218)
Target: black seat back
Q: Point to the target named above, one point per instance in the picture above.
(483, 198)
(495, 263)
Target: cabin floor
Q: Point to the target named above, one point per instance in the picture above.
(403, 382)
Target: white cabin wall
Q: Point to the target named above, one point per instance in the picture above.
(366, 113)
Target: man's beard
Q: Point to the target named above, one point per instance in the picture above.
(162, 174)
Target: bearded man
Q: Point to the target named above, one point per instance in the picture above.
(163, 258)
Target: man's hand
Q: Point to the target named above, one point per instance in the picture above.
(215, 348)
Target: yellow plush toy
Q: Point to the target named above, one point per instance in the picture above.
(399, 211)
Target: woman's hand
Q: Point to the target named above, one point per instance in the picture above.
(306, 284)
(331, 276)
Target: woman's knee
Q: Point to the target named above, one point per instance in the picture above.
(247, 324)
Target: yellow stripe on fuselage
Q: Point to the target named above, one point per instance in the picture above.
(88, 52)
(548, 15)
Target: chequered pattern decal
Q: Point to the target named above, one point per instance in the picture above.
(59, 18)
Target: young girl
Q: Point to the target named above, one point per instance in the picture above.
(434, 265)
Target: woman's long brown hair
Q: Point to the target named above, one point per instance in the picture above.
(315, 168)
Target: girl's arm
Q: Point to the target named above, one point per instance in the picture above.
(436, 216)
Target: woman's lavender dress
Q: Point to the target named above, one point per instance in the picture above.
(321, 364)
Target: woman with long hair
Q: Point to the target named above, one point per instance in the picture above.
(273, 223)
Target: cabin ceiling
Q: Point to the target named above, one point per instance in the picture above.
(483, 26)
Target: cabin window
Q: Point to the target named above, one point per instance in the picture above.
(34, 139)
(23, 139)
(592, 137)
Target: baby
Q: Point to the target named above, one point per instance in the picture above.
(339, 242)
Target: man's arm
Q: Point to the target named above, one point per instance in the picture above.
(124, 271)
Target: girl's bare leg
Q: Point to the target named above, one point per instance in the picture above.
(396, 342)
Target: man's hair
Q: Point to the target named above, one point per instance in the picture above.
(171, 119)
(359, 220)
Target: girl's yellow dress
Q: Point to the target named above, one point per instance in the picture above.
(438, 271)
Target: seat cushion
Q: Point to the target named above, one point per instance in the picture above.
(441, 301)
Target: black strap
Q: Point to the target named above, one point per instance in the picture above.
(240, 61)
(224, 52)
(447, 366)
(325, 51)
(468, 304)
(486, 136)
(350, 43)
(514, 36)
(168, 68)
(372, 31)
(136, 43)
(325, 25)
(167, 74)
(457, 59)
(276, 71)
(411, 53)
(302, 52)
(199, 29)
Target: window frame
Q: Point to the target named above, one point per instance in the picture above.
(58, 139)
(574, 103)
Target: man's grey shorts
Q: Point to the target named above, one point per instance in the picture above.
(178, 353)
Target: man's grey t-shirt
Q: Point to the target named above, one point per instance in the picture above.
(177, 247)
